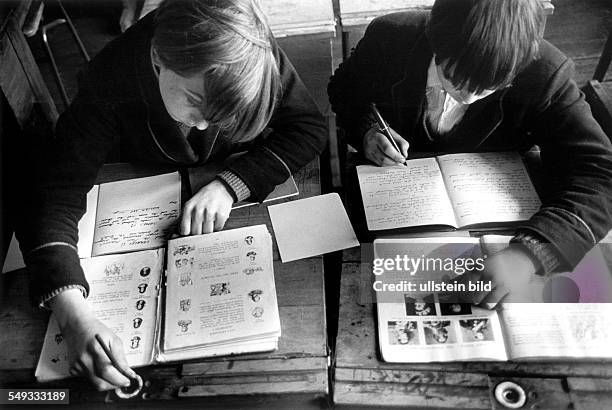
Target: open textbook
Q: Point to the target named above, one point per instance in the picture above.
(416, 327)
(456, 190)
(217, 297)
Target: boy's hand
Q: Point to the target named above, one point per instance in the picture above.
(207, 210)
(378, 149)
(512, 273)
(87, 358)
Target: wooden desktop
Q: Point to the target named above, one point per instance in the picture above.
(295, 373)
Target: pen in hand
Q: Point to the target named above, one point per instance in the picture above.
(135, 380)
(384, 128)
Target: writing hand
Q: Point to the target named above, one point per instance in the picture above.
(207, 210)
(378, 149)
(87, 357)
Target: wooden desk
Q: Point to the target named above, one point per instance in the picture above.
(298, 17)
(355, 15)
(361, 378)
(296, 372)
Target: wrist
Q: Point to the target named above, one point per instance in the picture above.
(67, 305)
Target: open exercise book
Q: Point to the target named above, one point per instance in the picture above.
(456, 190)
(415, 327)
(217, 297)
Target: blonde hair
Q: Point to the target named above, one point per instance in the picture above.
(231, 44)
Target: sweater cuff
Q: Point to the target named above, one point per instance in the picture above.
(237, 186)
(541, 251)
(45, 299)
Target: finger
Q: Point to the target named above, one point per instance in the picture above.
(76, 369)
(197, 217)
(389, 150)
(220, 222)
(402, 144)
(491, 300)
(185, 225)
(87, 363)
(209, 222)
(386, 162)
(118, 358)
(106, 370)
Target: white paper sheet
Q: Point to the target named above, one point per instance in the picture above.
(311, 226)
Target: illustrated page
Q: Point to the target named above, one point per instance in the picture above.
(124, 296)
(415, 324)
(220, 288)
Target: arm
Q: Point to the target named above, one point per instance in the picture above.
(298, 135)
(577, 156)
(358, 82)
(65, 170)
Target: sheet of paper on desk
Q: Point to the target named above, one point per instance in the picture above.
(124, 296)
(311, 227)
(136, 214)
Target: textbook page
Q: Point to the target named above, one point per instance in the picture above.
(403, 196)
(414, 326)
(123, 295)
(220, 289)
(560, 330)
(87, 224)
(137, 213)
(489, 187)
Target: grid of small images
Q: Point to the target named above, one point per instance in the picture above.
(430, 322)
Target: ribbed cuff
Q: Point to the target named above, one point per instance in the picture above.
(543, 252)
(45, 299)
(237, 185)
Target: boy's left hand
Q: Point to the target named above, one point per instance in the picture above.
(511, 273)
(207, 210)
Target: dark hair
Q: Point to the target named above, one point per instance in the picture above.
(484, 44)
(231, 44)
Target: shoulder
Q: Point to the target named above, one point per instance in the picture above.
(398, 27)
(116, 70)
(551, 70)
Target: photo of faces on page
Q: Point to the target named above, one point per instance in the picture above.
(430, 322)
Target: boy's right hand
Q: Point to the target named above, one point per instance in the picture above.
(378, 149)
(87, 358)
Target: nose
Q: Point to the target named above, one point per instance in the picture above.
(201, 124)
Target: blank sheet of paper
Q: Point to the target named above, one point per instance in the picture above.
(311, 227)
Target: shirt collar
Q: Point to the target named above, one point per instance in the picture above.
(432, 75)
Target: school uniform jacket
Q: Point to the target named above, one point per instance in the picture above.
(119, 113)
(542, 107)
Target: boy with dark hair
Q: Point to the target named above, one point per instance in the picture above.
(476, 76)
